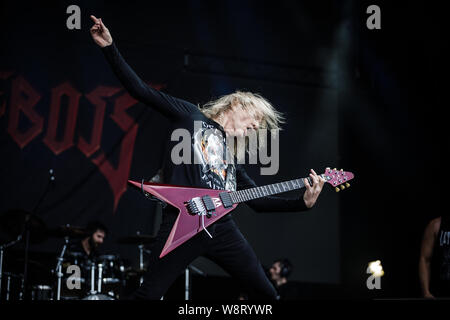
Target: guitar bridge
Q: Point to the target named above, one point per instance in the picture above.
(196, 206)
(201, 207)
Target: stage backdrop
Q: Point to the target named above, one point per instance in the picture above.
(62, 108)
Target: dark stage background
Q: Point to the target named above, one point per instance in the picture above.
(368, 101)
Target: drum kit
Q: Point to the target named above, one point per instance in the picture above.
(76, 275)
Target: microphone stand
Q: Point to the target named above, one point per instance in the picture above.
(27, 234)
(187, 279)
(2, 249)
(58, 268)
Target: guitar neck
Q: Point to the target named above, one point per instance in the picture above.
(268, 190)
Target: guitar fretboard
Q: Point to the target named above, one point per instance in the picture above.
(268, 190)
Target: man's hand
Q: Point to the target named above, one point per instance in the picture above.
(312, 192)
(100, 33)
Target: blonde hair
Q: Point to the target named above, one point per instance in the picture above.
(253, 103)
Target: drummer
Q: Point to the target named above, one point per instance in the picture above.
(89, 246)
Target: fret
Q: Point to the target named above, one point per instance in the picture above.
(274, 188)
(267, 190)
(263, 191)
(294, 184)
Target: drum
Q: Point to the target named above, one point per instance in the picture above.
(41, 292)
(73, 282)
(110, 269)
(98, 297)
(98, 277)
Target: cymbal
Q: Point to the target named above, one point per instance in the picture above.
(14, 222)
(108, 257)
(137, 239)
(68, 231)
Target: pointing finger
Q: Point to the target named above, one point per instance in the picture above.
(94, 19)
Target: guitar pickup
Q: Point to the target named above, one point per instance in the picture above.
(209, 204)
(226, 199)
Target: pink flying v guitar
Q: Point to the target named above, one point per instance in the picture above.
(199, 208)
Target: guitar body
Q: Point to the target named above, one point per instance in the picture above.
(199, 207)
(187, 225)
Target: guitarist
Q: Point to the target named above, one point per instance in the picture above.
(231, 115)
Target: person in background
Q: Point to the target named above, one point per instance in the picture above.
(434, 261)
(89, 246)
(279, 272)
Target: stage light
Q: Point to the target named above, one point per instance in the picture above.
(376, 268)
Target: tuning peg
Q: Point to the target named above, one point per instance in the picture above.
(347, 185)
(342, 187)
(337, 189)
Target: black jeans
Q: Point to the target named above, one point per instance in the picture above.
(228, 248)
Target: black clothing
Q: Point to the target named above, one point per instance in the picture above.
(212, 169)
(289, 291)
(77, 247)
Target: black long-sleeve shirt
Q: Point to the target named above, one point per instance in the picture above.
(208, 167)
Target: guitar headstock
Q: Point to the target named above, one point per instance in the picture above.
(339, 179)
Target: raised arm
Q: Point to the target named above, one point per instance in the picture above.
(167, 105)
